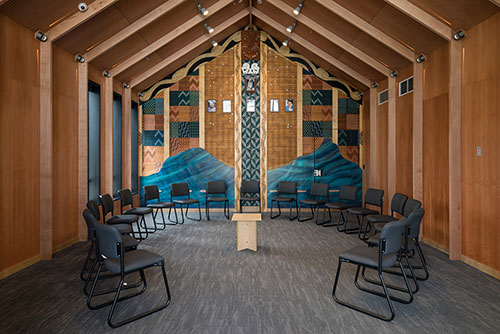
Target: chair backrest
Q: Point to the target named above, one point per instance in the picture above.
(398, 203)
(319, 189)
(348, 193)
(91, 221)
(374, 197)
(107, 204)
(179, 189)
(414, 221)
(250, 187)
(108, 239)
(151, 192)
(125, 197)
(391, 236)
(287, 187)
(216, 187)
(94, 208)
(410, 206)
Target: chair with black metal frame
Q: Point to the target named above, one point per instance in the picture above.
(397, 206)
(347, 199)
(251, 188)
(126, 199)
(151, 193)
(94, 208)
(108, 207)
(181, 190)
(113, 256)
(385, 256)
(318, 190)
(374, 197)
(411, 205)
(215, 188)
(286, 188)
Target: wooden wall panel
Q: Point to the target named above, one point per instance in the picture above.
(404, 137)
(382, 145)
(65, 148)
(365, 139)
(282, 125)
(480, 127)
(219, 126)
(19, 149)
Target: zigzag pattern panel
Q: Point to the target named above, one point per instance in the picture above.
(153, 107)
(152, 159)
(348, 137)
(317, 97)
(152, 137)
(350, 153)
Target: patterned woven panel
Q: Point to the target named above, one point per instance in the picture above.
(313, 82)
(181, 114)
(320, 113)
(152, 137)
(309, 143)
(306, 113)
(352, 122)
(153, 122)
(348, 137)
(194, 113)
(316, 129)
(184, 130)
(153, 107)
(317, 97)
(152, 159)
(182, 97)
(342, 94)
(160, 95)
(342, 121)
(348, 106)
(350, 153)
(250, 45)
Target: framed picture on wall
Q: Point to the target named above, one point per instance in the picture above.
(288, 105)
(226, 106)
(274, 105)
(250, 85)
(250, 105)
(212, 105)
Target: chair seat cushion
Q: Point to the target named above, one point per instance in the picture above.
(367, 256)
(186, 201)
(133, 261)
(312, 201)
(362, 211)
(129, 241)
(138, 211)
(283, 199)
(123, 228)
(250, 198)
(380, 218)
(160, 205)
(217, 199)
(373, 241)
(379, 226)
(123, 219)
(338, 206)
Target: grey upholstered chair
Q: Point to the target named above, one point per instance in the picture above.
(347, 199)
(410, 206)
(126, 200)
(108, 207)
(374, 197)
(397, 206)
(287, 193)
(214, 189)
(152, 193)
(319, 194)
(250, 192)
(182, 190)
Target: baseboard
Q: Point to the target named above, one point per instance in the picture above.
(436, 245)
(478, 265)
(20, 266)
(64, 245)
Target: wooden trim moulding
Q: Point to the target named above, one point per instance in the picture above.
(300, 110)
(166, 123)
(263, 124)
(82, 147)
(372, 177)
(19, 266)
(237, 125)
(127, 138)
(391, 139)
(201, 105)
(65, 245)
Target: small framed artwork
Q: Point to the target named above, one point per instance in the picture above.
(274, 105)
(226, 106)
(251, 105)
(288, 105)
(250, 85)
(212, 105)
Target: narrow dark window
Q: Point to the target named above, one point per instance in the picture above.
(117, 143)
(135, 147)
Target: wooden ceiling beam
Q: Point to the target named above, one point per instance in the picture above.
(78, 18)
(188, 48)
(368, 28)
(171, 35)
(131, 29)
(495, 2)
(422, 17)
(313, 48)
(333, 38)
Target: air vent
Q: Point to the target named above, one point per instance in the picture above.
(383, 96)
(406, 86)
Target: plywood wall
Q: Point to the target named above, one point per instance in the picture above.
(382, 145)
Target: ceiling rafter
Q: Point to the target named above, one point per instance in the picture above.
(65, 26)
(188, 48)
(368, 28)
(305, 43)
(496, 2)
(333, 38)
(422, 17)
(171, 35)
(131, 29)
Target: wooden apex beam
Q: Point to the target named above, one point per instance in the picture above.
(422, 17)
(78, 18)
(333, 38)
(167, 38)
(368, 29)
(131, 29)
(495, 2)
(188, 48)
(305, 43)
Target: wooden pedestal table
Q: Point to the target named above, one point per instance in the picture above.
(246, 230)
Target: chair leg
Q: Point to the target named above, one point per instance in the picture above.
(86, 263)
(352, 230)
(241, 205)
(279, 210)
(199, 213)
(226, 204)
(162, 218)
(207, 210)
(297, 208)
(175, 213)
(325, 223)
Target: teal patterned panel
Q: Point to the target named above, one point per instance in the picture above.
(153, 107)
(152, 138)
(317, 97)
(181, 97)
(317, 129)
(348, 137)
(184, 130)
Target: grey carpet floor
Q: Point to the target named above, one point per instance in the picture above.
(284, 287)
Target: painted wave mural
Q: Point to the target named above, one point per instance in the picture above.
(335, 170)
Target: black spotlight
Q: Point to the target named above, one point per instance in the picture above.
(420, 59)
(459, 35)
(39, 35)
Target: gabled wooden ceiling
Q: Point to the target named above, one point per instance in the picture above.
(352, 46)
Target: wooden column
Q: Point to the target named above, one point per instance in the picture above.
(300, 114)
(391, 149)
(140, 153)
(418, 133)
(46, 214)
(237, 125)
(263, 125)
(127, 138)
(83, 183)
(166, 124)
(372, 178)
(335, 116)
(455, 148)
(201, 106)
(107, 138)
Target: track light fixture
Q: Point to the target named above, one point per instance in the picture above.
(285, 43)
(459, 35)
(203, 11)
(208, 28)
(259, 2)
(297, 10)
(394, 74)
(291, 28)
(214, 43)
(80, 59)
(420, 59)
(126, 85)
(374, 85)
(39, 35)
(106, 74)
(141, 94)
